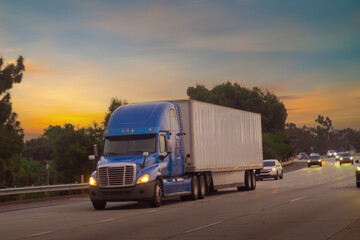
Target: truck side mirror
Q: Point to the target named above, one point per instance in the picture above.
(168, 146)
(96, 154)
(92, 157)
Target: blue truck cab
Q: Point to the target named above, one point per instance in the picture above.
(143, 157)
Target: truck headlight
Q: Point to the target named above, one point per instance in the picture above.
(319, 160)
(309, 161)
(358, 168)
(143, 179)
(341, 158)
(351, 158)
(92, 181)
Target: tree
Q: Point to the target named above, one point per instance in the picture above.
(273, 112)
(71, 148)
(38, 149)
(11, 134)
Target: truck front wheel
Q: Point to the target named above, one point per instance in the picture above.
(99, 205)
(157, 198)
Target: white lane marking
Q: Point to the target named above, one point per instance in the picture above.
(209, 225)
(39, 234)
(152, 211)
(106, 220)
(297, 199)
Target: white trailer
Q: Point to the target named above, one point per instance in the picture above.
(224, 142)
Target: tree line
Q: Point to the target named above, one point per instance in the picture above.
(322, 138)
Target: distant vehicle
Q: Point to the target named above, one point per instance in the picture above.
(331, 153)
(357, 174)
(272, 169)
(303, 155)
(314, 159)
(346, 158)
(337, 156)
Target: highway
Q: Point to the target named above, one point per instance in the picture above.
(309, 203)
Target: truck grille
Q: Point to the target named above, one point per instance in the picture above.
(119, 176)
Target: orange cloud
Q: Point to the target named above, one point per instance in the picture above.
(331, 99)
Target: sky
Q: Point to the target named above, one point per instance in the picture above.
(80, 54)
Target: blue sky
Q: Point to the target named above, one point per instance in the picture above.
(80, 54)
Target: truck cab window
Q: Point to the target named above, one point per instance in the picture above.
(131, 144)
(162, 144)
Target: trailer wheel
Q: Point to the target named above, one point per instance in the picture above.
(157, 198)
(247, 181)
(253, 180)
(99, 205)
(202, 187)
(194, 188)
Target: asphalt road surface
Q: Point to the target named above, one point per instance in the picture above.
(309, 203)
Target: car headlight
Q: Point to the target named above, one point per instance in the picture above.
(143, 179)
(274, 169)
(341, 158)
(351, 158)
(319, 160)
(92, 181)
(309, 161)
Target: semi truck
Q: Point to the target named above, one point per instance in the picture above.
(186, 148)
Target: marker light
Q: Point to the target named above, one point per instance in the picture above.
(132, 130)
(127, 131)
(92, 181)
(149, 129)
(143, 179)
(123, 131)
(274, 169)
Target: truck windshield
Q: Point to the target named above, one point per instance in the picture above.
(131, 144)
(269, 163)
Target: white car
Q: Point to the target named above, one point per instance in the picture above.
(272, 169)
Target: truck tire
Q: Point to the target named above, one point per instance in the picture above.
(253, 181)
(98, 204)
(358, 184)
(247, 181)
(202, 187)
(157, 198)
(194, 188)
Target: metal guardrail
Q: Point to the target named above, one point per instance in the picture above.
(39, 189)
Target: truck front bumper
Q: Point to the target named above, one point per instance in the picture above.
(140, 192)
